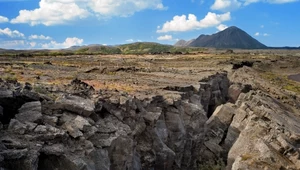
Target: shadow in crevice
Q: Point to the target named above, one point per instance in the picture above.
(11, 106)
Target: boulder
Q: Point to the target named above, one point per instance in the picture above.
(17, 127)
(80, 88)
(75, 104)
(236, 89)
(30, 112)
(51, 120)
(55, 149)
(47, 132)
(4, 93)
(75, 125)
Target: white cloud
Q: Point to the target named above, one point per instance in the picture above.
(53, 12)
(226, 5)
(165, 37)
(123, 8)
(129, 40)
(66, 44)
(262, 26)
(270, 1)
(247, 2)
(260, 34)
(39, 37)
(11, 33)
(221, 27)
(281, 1)
(3, 19)
(12, 44)
(32, 44)
(132, 40)
(182, 23)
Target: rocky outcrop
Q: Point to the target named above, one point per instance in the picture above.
(193, 129)
(268, 134)
(75, 104)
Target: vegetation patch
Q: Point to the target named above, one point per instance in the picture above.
(282, 81)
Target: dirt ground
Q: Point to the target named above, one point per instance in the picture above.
(149, 74)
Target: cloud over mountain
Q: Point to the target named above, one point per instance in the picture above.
(184, 23)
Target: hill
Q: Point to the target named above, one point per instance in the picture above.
(232, 37)
(98, 49)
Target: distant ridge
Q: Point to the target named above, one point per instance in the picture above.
(183, 43)
(232, 37)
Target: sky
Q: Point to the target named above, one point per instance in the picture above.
(55, 24)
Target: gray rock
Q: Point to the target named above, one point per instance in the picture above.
(214, 92)
(75, 125)
(4, 93)
(89, 131)
(223, 114)
(122, 154)
(56, 149)
(41, 129)
(80, 122)
(75, 104)
(30, 112)
(265, 128)
(165, 157)
(14, 154)
(152, 116)
(17, 127)
(72, 130)
(47, 132)
(11, 143)
(99, 160)
(30, 94)
(101, 140)
(51, 120)
(234, 91)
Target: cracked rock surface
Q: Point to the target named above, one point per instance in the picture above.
(221, 124)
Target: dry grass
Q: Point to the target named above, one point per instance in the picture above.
(282, 81)
(125, 87)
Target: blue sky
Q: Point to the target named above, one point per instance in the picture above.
(35, 24)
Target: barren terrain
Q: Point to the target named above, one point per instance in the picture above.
(149, 74)
(212, 109)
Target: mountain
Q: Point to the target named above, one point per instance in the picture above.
(232, 37)
(183, 43)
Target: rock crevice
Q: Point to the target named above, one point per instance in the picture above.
(194, 130)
